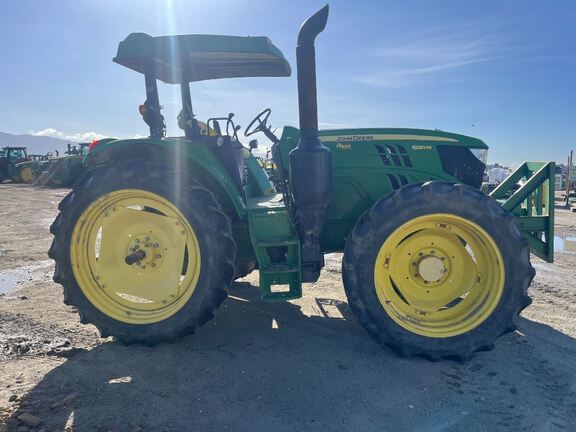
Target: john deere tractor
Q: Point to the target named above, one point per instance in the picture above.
(10, 157)
(29, 170)
(150, 239)
(64, 170)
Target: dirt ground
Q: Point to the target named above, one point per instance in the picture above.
(303, 365)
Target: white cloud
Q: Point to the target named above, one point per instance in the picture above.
(76, 137)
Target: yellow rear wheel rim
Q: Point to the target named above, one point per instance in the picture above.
(27, 175)
(439, 275)
(165, 275)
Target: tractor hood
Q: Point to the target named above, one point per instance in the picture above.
(186, 58)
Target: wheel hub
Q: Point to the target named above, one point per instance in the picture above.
(431, 268)
(149, 252)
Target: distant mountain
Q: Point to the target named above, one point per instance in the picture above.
(35, 144)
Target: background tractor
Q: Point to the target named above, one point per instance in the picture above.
(29, 170)
(10, 157)
(149, 240)
(65, 170)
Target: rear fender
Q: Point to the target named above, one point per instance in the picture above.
(194, 156)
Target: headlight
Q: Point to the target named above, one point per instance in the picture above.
(481, 154)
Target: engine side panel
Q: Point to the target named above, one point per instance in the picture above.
(370, 163)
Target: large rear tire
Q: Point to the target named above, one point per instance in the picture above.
(437, 270)
(26, 174)
(143, 252)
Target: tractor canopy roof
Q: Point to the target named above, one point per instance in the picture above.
(186, 58)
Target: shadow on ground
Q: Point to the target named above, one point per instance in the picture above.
(268, 367)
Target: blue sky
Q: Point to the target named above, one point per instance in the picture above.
(502, 71)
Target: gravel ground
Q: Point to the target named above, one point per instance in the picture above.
(303, 365)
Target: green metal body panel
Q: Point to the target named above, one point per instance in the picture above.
(258, 182)
(66, 170)
(360, 176)
(277, 247)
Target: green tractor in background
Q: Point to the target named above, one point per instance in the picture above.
(10, 157)
(65, 170)
(31, 169)
(149, 240)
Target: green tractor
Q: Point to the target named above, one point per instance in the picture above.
(65, 170)
(10, 157)
(31, 169)
(149, 240)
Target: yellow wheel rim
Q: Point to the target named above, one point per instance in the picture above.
(160, 245)
(439, 275)
(27, 175)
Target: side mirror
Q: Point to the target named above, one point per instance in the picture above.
(237, 128)
(253, 144)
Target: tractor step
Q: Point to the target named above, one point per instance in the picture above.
(277, 249)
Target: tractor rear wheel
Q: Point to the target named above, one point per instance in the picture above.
(143, 252)
(437, 270)
(26, 174)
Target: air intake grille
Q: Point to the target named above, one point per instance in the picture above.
(394, 155)
(397, 181)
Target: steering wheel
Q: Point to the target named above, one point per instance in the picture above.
(262, 120)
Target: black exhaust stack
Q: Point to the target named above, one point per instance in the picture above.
(310, 161)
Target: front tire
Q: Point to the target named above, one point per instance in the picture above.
(187, 252)
(437, 270)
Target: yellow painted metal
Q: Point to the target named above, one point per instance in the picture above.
(439, 275)
(164, 277)
(26, 174)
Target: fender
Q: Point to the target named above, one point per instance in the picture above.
(196, 155)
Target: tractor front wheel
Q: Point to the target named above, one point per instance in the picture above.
(437, 270)
(143, 252)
